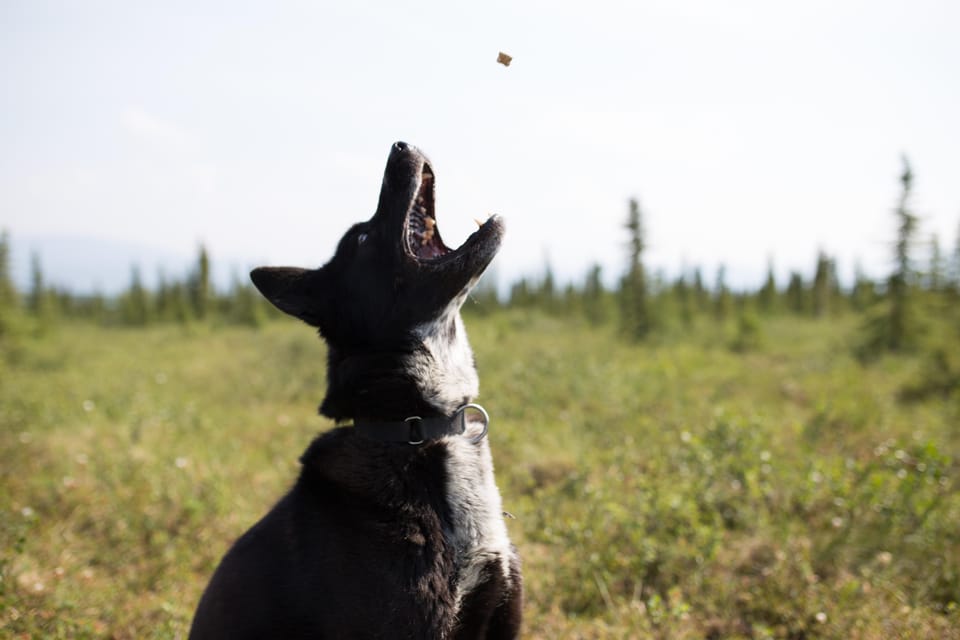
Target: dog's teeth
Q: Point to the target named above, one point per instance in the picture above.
(430, 223)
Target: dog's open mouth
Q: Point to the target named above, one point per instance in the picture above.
(423, 240)
(421, 234)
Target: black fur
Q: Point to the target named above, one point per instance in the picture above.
(365, 545)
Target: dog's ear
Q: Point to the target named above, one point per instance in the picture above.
(299, 292)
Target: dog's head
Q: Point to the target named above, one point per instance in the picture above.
(392, 279)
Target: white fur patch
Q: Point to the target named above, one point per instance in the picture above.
(446, 374)
(480, 533)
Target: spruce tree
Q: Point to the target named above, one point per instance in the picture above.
(38, 287)
(200, 289)
(41, 301)
(822, 285)
(722, 301)
(700, 294)
(936, 276)
(863, 293)
(8, 291)
(135, 304)
(634, 303)
(9, 299)
(681, 292)
(595, 296)
(901, 281)
(767, 296)
(893, 327)
(547, 296)
(795, 293)
(520, 293)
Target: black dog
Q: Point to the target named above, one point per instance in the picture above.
(394, 528)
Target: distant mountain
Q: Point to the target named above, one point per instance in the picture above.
(84, 264)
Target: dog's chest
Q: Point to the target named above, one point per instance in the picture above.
(478, 534)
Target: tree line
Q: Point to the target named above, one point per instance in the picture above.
(642, 305)
(187, 300)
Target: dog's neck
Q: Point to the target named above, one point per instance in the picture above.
(429, 373)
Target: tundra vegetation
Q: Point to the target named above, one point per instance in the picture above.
(683, 461)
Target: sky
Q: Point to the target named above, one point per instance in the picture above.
(749, 131)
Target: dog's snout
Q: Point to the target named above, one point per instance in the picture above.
(400, 146)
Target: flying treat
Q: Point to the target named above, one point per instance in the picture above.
(504, 59)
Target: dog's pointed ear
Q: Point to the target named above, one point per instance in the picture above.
(299, 292)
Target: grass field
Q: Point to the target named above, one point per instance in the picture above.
(669, 490)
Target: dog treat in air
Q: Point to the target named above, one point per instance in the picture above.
(504, 59)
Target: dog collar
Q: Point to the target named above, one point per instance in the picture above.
(416, 430)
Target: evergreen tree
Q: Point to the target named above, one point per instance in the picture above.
(767, 296)
(40, 301)
(684, 300)
(9, 299)
(135, 304)
(595, 297)
(570, 302)
(37, 286)
(795, 294)
(521, 293)
(200, 290)
(547, 295)
(823, 285)
(182, 307)
(635, 310)
(936, 276)
(893, 328)
(162, 303)
(722, 301)
(864, 292)
(700, 294)
(900, 283)
(8, 291)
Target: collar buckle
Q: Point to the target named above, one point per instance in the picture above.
(416, 430)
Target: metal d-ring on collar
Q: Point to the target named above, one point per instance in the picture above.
(486, 420)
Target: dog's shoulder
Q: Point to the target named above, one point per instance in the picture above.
(341, 461)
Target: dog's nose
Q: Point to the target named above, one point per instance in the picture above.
(400, 146)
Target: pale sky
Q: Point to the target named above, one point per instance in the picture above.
(746, 129)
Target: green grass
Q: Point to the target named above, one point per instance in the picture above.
(681, 489)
